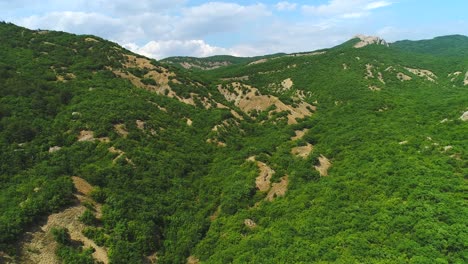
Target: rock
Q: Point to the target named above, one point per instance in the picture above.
(140, 124)
(369, 40)
(86, 135)
(54, 149)
(464, 117)
(192, 260)
(250, 223)
(287, 84)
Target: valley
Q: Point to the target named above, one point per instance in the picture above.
(352, 154)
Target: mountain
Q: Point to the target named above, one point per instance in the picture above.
(448, 46)
(343, 155)
(214, 62)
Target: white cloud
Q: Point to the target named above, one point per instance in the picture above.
(344, 8)
(216, 17)
(378, 4)
(286, 6)
(197, 22)
(167, 48)
(138, 6)
(77, 22)
(160, 28)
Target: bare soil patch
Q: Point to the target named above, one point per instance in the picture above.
(258, 61)
(248, 99)
(302, 151)
(287, 84)
(121, 130)
(369, 73)
(428, 75)
(40, 246)
(403, 77)
(140, 124)
(278, 189)
(299, 134)
(324, 165)
(262, 182)
(374, 88)
(91, 40)
(193, 260)
(86, 135)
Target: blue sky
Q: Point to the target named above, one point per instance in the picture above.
(161, 28)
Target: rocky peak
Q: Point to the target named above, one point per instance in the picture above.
(368, 40)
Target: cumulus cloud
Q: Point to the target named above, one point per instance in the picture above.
(286, 6)
(78, 22)
(152, 21)
(167, 48)
(160, 28)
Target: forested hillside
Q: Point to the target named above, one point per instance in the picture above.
(353, 154)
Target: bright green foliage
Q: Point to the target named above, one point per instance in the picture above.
(394, 193)
(88, 218)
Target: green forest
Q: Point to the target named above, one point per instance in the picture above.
(202, 166)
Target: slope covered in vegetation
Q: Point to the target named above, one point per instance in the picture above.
(342, 155)
(213, 62)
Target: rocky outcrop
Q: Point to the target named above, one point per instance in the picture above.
(369, 40)
(464, 117)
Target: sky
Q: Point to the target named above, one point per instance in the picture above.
(163, 28)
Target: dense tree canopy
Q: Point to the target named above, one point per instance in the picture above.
(178, 179)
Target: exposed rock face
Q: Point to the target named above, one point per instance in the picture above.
(54, 149)
(206, 65)
(86, 135)
(287, 84)
(250, 223)
(368, 40)
(465, 82)
(249, 99)
(428, 75)
(464, 117)
(403, 77)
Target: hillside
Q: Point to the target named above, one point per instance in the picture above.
(353, 154)
(213, 62)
